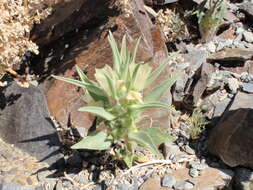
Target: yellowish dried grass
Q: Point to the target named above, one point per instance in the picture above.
(17, 18)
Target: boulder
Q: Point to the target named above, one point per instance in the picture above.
(67, 16)
(90, 49)
(232, 138)
(25, 122)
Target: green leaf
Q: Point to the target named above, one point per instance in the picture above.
(158, 136)
(115, 52)
(153, 76)
(82, 76)
(157, 92)
(99, 111)
(96, 93)
(141, 76)
(153, 105)
(144, 139)
(97, 140)
(134, 52)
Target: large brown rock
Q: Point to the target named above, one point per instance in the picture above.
(232, 138)
(67, 16)
(90, 50)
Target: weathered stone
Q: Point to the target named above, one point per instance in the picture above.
(168, 181)
(248, 36)
(231, 139)
(243, 179)
(151, 184)
(25, 122)
(247, 87)
(6, 186)
(206, 74)
(183, 185)
(210, 178)
(67, 16)
(93, 51)
(236, 54)
(246, 67)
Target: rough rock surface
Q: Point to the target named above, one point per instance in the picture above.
(236, 54)
(25, 122)
(232, 138)
(90, 50)
(67, 16)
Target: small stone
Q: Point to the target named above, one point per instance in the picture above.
(233, 85)
(193, 172)
(247, 87)
(59, 185)
(170, 149)
(198, 166)
(168, 181)
(184, 185)
(248, 36)
(189, 150)
(211, 47)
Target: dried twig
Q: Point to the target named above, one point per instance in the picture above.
(163, 162)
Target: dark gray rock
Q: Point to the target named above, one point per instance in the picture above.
(168, 181)
(25, 122)
(232, 138)
(5, 186)
(243, 179)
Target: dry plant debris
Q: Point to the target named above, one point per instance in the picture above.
(16, 21)
(171, 24)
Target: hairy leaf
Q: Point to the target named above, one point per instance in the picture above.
(157, 92)
(99, 111)
(97, 140)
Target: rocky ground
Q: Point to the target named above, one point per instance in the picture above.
(39, 118)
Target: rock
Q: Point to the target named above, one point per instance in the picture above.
(236, 54)
(151, 184)
(25, 122)
(206, 74)
(210, 178)
(198, 166)
(243, 179)
(168, 181)
(125, 187)
(159, 2)
(170, 148)
(193, 172)
(248, 36)
(67, 16)
(189, 150)
(240, 68)
(231, 139)
(75, 160)
(233, 85)
(247, 7)
(5, 186)
(90, 51)
(247, 87)
(211, 47)
(184, 185)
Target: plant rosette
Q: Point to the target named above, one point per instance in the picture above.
(116, 98)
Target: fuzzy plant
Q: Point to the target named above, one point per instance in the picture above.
(116, 98)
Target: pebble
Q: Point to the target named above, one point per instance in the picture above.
(189, 150)
(184, 185)
(233, 85)
(248, 36)
(168, 181)
(211, 47)
(193, 172)
(198, 166)
(247, 87)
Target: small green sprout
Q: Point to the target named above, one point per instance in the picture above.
(117, 100)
